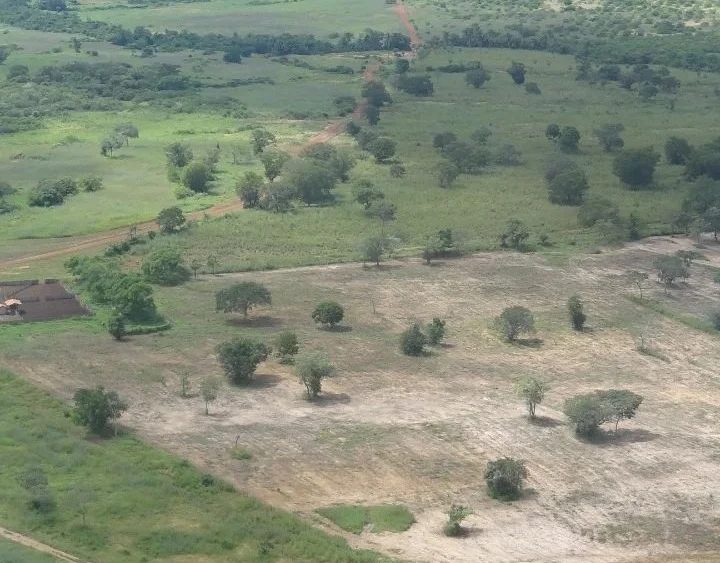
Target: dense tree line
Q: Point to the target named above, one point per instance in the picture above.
(27, 15)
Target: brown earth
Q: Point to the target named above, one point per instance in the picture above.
(419, 431)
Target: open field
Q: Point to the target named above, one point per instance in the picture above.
(418, 431)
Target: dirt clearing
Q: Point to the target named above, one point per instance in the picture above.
(419, 431)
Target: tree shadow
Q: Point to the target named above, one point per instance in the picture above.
(328, 399)
(263, 321)
(336, 328)
(446, 346)
(545, 422)
(623, 437)
(263, 381)
(529, 342)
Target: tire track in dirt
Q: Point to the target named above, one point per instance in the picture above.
(29, 542)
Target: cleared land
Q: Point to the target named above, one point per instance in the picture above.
(418, 431)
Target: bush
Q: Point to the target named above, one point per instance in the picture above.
(328, 313)
(514, 321)
(164, 266)
(597, 209)
(504, 478)
(587, 413)
(48, 193)
(91, 184)
(240, 357)
(412, 341)
(435, 331)
(453, 527)
(95, 408)
(415, 85)
(196, 178)
(286, 345)
(577, 316)
(515, 235)
(116, 326)
(170, 219)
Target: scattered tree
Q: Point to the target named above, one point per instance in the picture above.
(261, 139)
(178, 155)
(636, 167)
(164, 266)
(532, 391)
(412, 341)
(209, 390)
(569, 139)
(242, 297)
(374, 248)
(677, 150)
(248, 189)
(116, 325)
(609, 136)
(447, 174)
(328, 313)
(273, 162)
(212, 263)
(311, 368)
(170, 219)
(514, 321)
(435, 331)
(623, 404)
(587, 412)
(552, 132)
(669, 269)
(515, 235)
(240, 357)
(517, 72)
(577, 316)
(196, 177)
(383, 149)
(287, 346)
(638, 280)
(477, 77)
(504, 478)
(128, 131)
(95, 408)
(567, 186)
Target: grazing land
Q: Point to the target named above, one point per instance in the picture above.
(468, 249)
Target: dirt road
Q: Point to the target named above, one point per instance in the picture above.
(37, 546)
(402, 12)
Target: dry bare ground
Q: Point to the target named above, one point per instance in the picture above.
(419, 431)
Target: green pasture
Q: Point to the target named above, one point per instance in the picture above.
(13, 553)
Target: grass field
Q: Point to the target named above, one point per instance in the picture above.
(13, 553)
(417, 431)
(318, 17)
(383, 518)
(141, 504)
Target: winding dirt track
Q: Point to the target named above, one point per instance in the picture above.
(37, 546)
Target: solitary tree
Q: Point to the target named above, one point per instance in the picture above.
(240, 357)
(457, 513)
(577, 316)
(532, 392)
(328, 313)
(242, 297)
(504, 478)
(170, 219)
(514, 321)
(412, 341)
(95, 408)
(311, 369)
(209, 390)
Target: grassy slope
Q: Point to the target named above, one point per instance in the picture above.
(147, 504)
